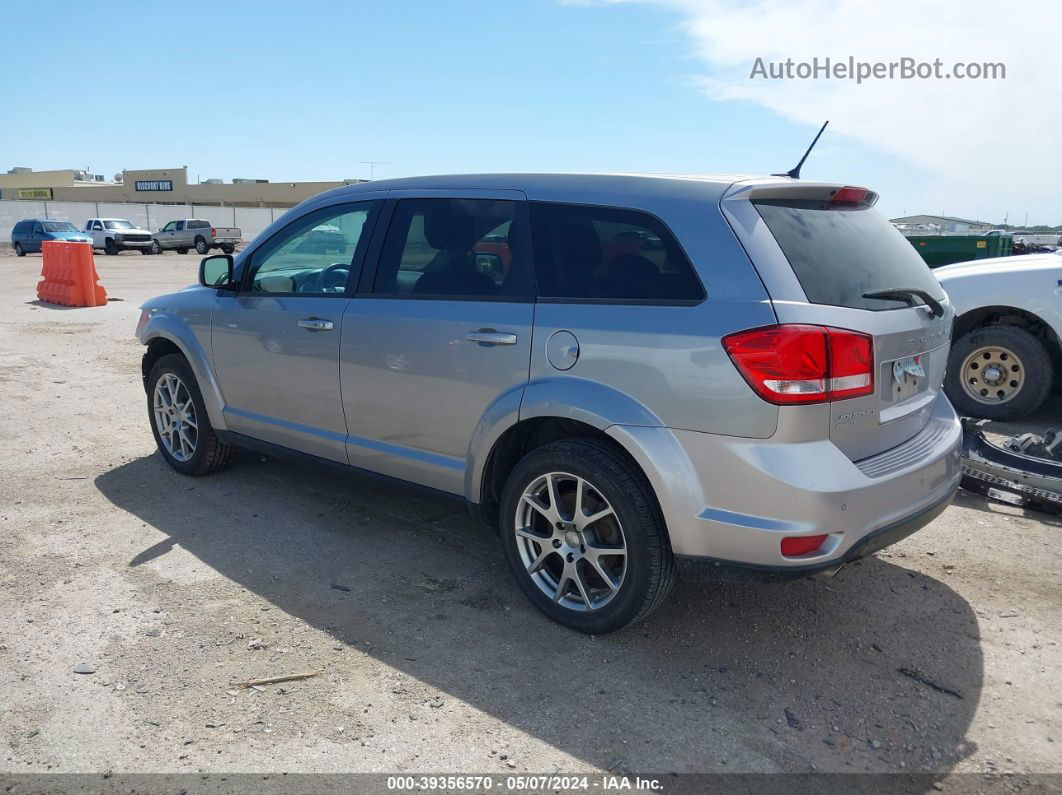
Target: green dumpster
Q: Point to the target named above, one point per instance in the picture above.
(939, 250)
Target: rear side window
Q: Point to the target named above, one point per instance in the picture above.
(592, 253)
(198, 224)
(21, 228)
(456, 248)
(840, 253)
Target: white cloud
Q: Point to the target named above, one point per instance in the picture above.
(994, 143)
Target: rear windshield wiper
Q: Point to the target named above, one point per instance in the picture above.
(908, 296)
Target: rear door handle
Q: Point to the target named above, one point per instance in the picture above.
(488, 336)
(316, 324)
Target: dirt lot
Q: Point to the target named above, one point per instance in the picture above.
(171, 588)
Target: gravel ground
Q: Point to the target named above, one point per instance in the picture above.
(940, 654)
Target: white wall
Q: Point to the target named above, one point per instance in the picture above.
(250, 220)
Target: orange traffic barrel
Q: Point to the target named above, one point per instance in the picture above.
(68, 275)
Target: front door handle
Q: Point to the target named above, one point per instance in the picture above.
(316, 324)
(488, 336)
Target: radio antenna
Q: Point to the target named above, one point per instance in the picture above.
(794, 173)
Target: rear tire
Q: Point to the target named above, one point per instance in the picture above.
(179, 420)
(201, 246)
(19, 251)
(638, 579)
(1022, 361)
(228, 249)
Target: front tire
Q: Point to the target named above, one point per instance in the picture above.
(182, 251)
(584, 537)
(19, 251)
(155, 247)
(146, 251)
(179, 420)
(998, 373)
(109, 247)
(201, 246)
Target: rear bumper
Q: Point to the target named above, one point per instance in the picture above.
(695, 568)
(730, 500)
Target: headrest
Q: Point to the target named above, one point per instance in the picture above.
(448, 229)
(581, 245)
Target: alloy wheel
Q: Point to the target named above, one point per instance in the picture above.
(571, 541)
(175, 417)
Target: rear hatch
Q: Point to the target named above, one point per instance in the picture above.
(822, 252)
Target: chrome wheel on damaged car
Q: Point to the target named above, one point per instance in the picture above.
(571, 541)
(584, 536)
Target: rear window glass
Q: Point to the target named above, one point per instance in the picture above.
(603, 253)
(839, 254)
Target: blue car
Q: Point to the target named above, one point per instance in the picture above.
(28, 235)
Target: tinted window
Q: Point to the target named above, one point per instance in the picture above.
(314, 255)
(37, 229)
(179, 226)
(97, 226)
(838, 254)
(453, 247)
(586, 252)
(59, 226)
(198, 224)
(21, 228)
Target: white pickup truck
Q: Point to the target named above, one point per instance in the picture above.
(115, 235)
(1006, 350)
(195, 233)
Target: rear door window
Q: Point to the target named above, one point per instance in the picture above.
(455, 248)
(841, 253)
(591, 253)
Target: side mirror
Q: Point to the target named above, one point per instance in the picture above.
(490, 265)
(216, 272)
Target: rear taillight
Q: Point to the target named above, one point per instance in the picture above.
(797, 364)
(213, 232)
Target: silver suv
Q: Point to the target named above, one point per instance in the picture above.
(626, 376)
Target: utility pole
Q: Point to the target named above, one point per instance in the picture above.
(372, 164)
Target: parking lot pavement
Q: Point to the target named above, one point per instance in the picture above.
(939, 654)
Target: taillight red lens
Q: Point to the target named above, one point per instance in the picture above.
(849, 195)
(213, 232)
(797, 364)
(851, 364)
(796, 546)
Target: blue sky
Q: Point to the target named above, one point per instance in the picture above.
(304, 91)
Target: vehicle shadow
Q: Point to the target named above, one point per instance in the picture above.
(849, 674)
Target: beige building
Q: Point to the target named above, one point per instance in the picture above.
(156, 186)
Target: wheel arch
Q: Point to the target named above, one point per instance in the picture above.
(164, 338)
(564, 408)
(987, 316)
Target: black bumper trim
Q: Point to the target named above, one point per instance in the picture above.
(702, 569)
